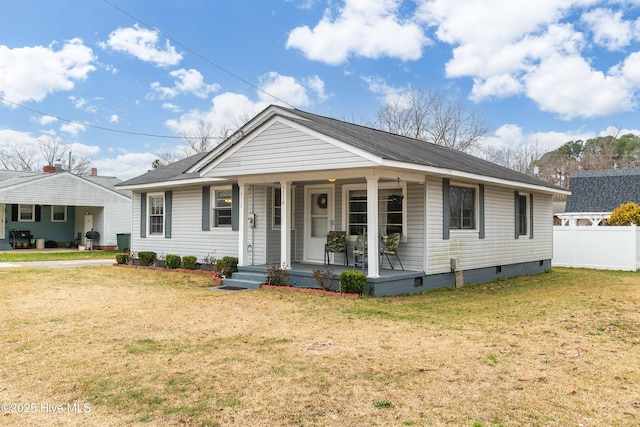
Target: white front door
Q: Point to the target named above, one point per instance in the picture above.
(318, 221)
(88, 224)
(2, 207)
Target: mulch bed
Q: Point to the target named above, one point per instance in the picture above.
(211, 273)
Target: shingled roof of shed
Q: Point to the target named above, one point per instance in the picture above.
(603, 190)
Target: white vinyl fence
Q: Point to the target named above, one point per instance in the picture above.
(604, 248)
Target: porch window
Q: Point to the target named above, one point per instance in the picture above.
(58, 213)
(276, 208)
(156, 214)
(222, 207)
(391, 210)
(26, 213)
(462, 207)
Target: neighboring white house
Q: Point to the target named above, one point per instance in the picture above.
(270, 193)
(59, 207)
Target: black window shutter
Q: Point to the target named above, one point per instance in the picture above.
(206, 208)
(167, 214)
(516, 198)
(38, 213)
(143, 215)
(446, 210)
(481, 211)
(14, 212)
(531, 215)
(235, 207)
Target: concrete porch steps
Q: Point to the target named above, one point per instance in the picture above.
(245, 279)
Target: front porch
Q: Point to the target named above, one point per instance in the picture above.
(390, 282)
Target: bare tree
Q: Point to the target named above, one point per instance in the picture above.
(433, 117)
(520, 159)
(17, 157)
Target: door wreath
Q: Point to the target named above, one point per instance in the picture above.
(322, 201)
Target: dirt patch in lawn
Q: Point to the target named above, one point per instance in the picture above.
(138, 347)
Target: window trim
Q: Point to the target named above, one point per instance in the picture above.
(527, 214)
(33, 213)
(381, 186)
(149, 214)
(64, 213)
(292, 202)
(476, 209)
(214, 208)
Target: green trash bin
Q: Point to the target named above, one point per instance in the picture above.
(124, 241)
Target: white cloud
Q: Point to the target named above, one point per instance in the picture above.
(609, 28)
(73, 128)
(186, 81)
(367, 28)
(125, 166)
(230, 110)
(143, 44)
(531, 48)
(114, 118)
(387, 93)
(46, 120)
(31, 73)
(171, 107)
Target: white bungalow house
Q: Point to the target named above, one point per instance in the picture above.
(270, 193)
(57, 207)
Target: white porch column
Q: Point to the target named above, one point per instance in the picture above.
(285, 227)
(242, 225)
(372, 228)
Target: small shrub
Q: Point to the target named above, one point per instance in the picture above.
(209, 262)
(146, 257)
(324, 278)
(277, 276)
(353, 282)
(189, 262)
(625, 214)
(173, 261)
(227, 266)
(122, 258)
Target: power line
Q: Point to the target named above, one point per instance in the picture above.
(75, 122)
(204, 58)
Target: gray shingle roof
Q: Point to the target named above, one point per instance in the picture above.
(171, 172)
(379, 143)
(395, 147)
(603, 190)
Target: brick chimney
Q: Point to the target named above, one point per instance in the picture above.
(49, 169)
(94, 171)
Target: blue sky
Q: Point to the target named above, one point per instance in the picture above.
(111, 76)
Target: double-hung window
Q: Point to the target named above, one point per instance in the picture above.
(156, 214)
(221, 207)
(462, 208)
(26, 213)
(523, 214)
(391, 209)
(58, 213)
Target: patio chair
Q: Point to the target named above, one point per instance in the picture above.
(389, 246)
(360, 251)
(336, 242)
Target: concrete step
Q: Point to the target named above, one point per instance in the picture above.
(241, 283)
(249, 275)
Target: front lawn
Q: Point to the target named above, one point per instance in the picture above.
(18, 255)
(139, 347)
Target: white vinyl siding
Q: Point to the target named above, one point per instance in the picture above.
(499, 247)
(187, 237)
(280, 148)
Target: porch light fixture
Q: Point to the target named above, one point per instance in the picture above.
(332, 180)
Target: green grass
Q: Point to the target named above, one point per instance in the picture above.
(19, 256)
